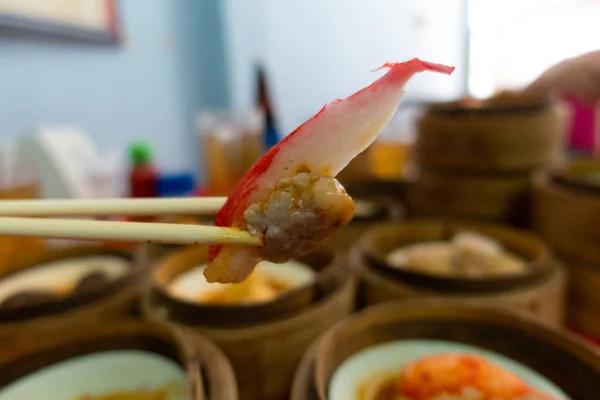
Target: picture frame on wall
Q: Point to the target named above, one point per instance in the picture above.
(89, 21)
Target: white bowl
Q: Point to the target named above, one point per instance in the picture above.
(101, 374)
(392, 356)
(192, 284)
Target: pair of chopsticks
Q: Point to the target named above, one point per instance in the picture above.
(13, 223)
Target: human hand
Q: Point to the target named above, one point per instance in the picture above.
(577, 77)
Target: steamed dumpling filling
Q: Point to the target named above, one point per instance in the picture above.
(467, 254)
(266, 283)
(258, 288)
(302, 212)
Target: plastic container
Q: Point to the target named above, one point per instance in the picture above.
(232, 142)
(390, 154)
(176, 185)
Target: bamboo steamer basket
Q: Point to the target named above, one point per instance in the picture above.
(583, 300)
(209, 373)
(567, 208)
(495, 198)
(117, 297)
(567, 211)
(568, 363)
(304, 386)
(376, 201)
(539, 292)
(268, 342)
(509, 132)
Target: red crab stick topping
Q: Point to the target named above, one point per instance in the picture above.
(322, 146)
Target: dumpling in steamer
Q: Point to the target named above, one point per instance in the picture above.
(479, 255)
(468, 254)
(431, 257)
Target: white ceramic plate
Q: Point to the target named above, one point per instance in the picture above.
(62, 275)
(191, 284)
(393, 355)
(100, 374)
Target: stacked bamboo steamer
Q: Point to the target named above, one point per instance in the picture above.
(538, 291)
(379, 341)
(566, 206)
(70, 284)
(124, 358)
(264, 341)
(475, 159)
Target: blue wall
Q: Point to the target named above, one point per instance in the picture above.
(202, 72)
(151, 87)
(184, 55)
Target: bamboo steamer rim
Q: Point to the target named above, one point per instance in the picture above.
(302, 385)
(546, 183)
(569, 177)
(485, 176)
(565, 217)
(444, 310)
(541, 267)
(61, 253)
(191, 312)
(505, 102)
(111, 293)
(58, 343)
(380, 281)
(387, 196)
(274, 328)
(343, 282)
(576, 261)
(258, 332)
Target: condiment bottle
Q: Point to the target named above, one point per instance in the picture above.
(143, 176)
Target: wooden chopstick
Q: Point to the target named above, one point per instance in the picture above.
(126, 231)
(104, 207)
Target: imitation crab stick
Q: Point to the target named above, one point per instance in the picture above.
(290, 196)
